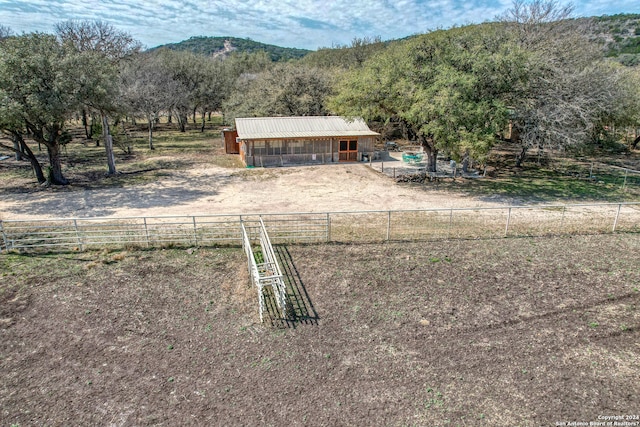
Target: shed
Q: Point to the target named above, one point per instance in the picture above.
(230, 138)
(280, 141)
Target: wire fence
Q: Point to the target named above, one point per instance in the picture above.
(602, 173)
(345, 227)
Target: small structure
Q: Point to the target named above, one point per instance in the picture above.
(230, 138)
(280, 141)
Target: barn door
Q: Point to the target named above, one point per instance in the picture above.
(348, 151)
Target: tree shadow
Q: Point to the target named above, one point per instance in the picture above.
(300, 309)
(77, 200)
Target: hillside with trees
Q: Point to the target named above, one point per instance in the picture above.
(214, 46)
(620, 35)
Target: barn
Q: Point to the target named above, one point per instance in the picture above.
(280, 141)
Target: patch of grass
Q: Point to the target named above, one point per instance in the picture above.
(230, 161)
(600, 177)
(84, 163)
(435, 399)
(550, 187)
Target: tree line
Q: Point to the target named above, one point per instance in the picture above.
(453, 91)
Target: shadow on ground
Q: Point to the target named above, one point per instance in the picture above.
(90, 202)
(300, 309)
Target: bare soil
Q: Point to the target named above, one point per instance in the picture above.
(196, 184)
(527, 332)
(188, 173)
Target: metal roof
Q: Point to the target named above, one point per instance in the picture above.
(301, 127)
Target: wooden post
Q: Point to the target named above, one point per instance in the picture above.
(331, 148)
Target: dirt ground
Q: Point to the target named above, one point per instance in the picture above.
(527, 332)
(204, 188)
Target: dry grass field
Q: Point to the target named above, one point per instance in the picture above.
(520, 331)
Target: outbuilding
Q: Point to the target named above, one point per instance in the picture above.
(280, 141)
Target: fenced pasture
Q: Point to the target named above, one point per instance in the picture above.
(501, 332)
(344, 227)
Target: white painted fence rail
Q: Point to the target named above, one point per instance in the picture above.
(361, 226)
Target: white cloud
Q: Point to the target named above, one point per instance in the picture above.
(293, 23)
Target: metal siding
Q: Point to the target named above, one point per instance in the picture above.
(300, 127)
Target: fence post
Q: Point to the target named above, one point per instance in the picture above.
(564, 209)
(388, 226)
(4, 237)
(195, 231)
(450, 222)
(328, 227)
(146, 231)
(75, 225)
(624, 184)
(506, 229)
(615, 222)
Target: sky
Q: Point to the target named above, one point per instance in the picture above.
(307, 24)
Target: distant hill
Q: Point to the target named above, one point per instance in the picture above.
(621, 36)
(216, 46)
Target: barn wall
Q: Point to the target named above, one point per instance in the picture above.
(366, 144)
(283, 152)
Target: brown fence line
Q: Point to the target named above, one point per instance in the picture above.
(312, 227)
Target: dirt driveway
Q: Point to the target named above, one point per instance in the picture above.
(209, 189)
